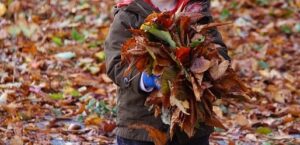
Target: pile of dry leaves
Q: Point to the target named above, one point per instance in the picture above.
(193, 74)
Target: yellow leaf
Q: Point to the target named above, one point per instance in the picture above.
(93, 120)
(2, 9)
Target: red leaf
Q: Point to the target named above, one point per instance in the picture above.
(182, 53)
(141, 63)
(165, 19)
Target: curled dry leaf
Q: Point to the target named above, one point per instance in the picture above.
(200, 28)
(197, 88)
(218, 70)
(182, 105)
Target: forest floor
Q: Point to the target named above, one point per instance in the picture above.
(53, 87)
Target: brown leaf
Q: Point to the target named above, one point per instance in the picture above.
(189, 122)
(230, 83)
(181, 105)
(214, 121)
(241, 120)
(218, 71)
(184, 25)
(196, 88)
(154, 98)
(188, 127)
(200, 28)
(200, 65)
(175, 119)
(294, 110)
(16, 140)
(158, 137)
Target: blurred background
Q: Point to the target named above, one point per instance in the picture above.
(53, 89)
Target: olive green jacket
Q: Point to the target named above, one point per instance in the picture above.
(130, 98)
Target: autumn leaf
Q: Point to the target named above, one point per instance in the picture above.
(158, 137)
(57, 41)
(197, 42)
(183, 24)
(100, 55)
(182, 53)
(214, 121)
(93, 120)
(2, 9)
(201, 28)
(77, 36)
(264, 130)
(56, 96)
(200, 65)
(218, 70)
(182, 105)
(163, 35)
(197, 88)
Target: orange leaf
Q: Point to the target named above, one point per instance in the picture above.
(158, 137)
(108, 126)
(93, 120)
(141, 63)
(29, 48)
(165, 19)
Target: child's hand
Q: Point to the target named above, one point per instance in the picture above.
(150, 81)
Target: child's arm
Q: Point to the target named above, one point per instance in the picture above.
(117, 35)
(203, 6)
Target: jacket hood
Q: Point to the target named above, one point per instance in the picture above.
(139, 7)
(144, 6)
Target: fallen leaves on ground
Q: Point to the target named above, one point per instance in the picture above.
(263, 42)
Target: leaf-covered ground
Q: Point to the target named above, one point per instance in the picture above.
(53, 89)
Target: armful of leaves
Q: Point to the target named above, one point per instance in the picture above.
(193, 73)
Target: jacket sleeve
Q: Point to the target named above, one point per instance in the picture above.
(117, 35)
(203, 6)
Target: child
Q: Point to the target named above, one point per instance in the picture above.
(134, 88)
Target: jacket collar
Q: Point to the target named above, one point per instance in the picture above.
(141, 7)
